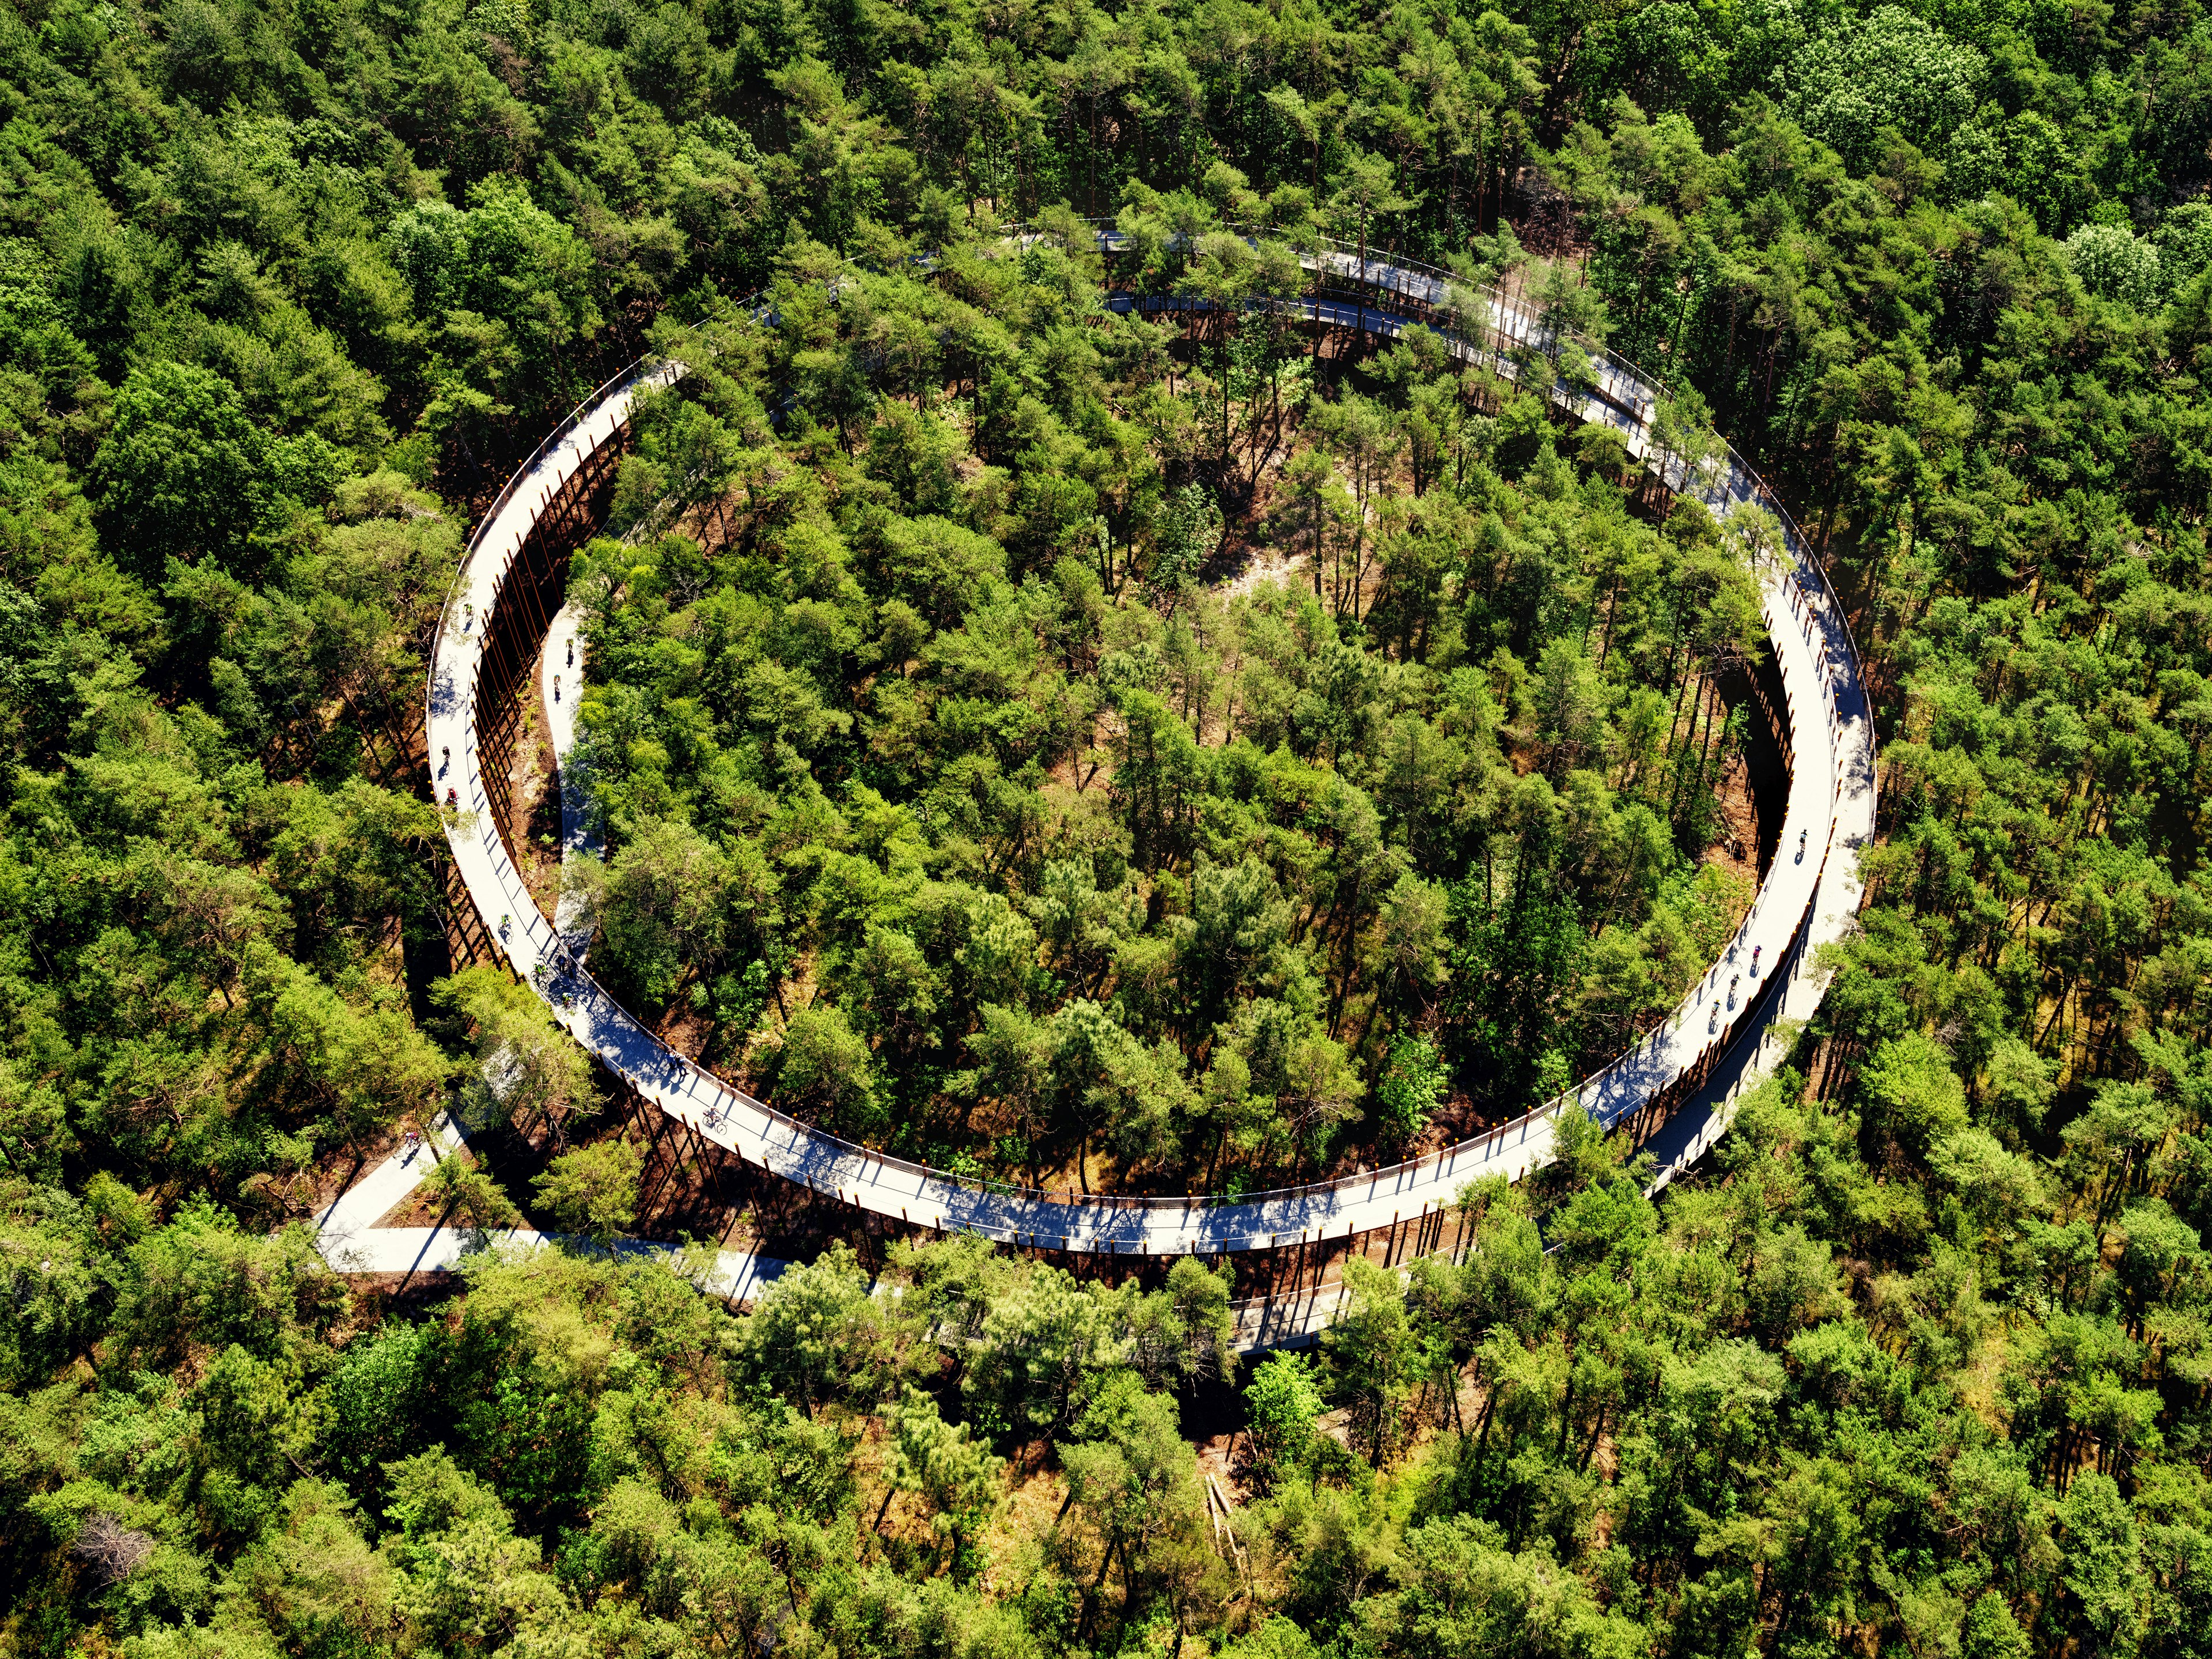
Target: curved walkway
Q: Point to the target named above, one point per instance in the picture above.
(1807, 899)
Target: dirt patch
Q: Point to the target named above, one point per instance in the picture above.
(1221, 1456)
(533, 780)
(685, 1031)
(335, 1177)
(1271, 563)
(1735, 845)
(419, 1208)
(1033, 1510)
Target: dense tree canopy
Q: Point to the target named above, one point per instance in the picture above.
(1083, 743)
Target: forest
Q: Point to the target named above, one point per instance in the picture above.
(1156, 752)
(992, 843)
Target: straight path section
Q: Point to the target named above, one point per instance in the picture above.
(348, 1237)
(734, 1275)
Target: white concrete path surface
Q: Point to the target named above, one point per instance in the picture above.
(350, 1241)
(737, 1275)
(1803, 902)
(356, 1211)
(348, 1237)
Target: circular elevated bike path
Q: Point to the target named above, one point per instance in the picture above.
(1809, 896)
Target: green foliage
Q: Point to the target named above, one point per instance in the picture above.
(463, 1187)
(826, 1071)
(818, 1335)
(182, 463)
(379, 1401)
(1282, 1400)
(956, 835)
(1189, 532)
(593, 1189)
(1414, 1082)
(2115, 264)
(526, 1061)
(1888, 69)
(957, 1477)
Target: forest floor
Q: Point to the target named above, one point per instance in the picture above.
(333, 1178)
(1736, 848)
(686, 1031)
(533, 780)
(1266, 564)
(420, 1208)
